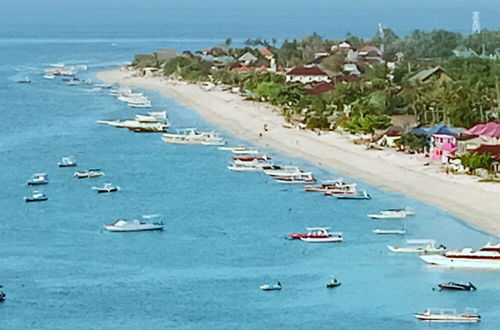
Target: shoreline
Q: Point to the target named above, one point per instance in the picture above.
(460, 195)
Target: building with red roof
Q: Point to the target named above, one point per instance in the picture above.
(307, 75)
(268, 55)
(494, 151)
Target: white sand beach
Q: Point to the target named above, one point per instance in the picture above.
(461, 195)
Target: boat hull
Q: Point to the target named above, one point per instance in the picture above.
(475, 263)
(112, 228)
(32, 200)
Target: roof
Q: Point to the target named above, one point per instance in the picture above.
(494, 150)
(424, 74)
(318, 89)
(247, 57)
(490, 129)
(440, 129)
(266, 52)
(302, 71)
(369, 48)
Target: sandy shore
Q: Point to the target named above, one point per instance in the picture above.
(463, 196)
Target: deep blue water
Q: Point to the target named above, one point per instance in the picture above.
(224, 231)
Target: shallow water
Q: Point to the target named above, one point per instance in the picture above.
(224, 232)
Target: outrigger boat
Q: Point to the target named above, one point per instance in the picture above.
(361, 195)
(488, 257)
(36, 196)
(418, 246)
(67, 162)
(271, 287)
(92, 173)
(38, 179)
(107, 188)
(133, 225)
(449, 315)
(457, 286)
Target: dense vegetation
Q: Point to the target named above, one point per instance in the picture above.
(471, 96)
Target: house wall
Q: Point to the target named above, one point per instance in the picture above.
(437, 142)
(303, 79)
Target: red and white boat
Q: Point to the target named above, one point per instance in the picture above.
(249, 158)
(333, 238)
(312, 232)
(449, 315)
(488, 257)
(317, 235)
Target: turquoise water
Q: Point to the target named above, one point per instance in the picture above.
(224, 230)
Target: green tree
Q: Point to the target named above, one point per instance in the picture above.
(474, 160)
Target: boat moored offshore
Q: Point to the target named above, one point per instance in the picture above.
(107, 188)
(38, 179)
(133, 225)
(449, 315)
(67, 162)
(92, 173)
(488, 257)
(36, 196)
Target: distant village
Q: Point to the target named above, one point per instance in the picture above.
(381, 97)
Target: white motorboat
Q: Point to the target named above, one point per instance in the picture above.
(393, 214)
(488, 257)
(331, 238)
(92, 173)
(234, 149)
(133, 225)
(139, 104)
(107, 188)
(418, 246)
(244, 151)
(283, 170)
(389, 231)
(48, 76)
(271, 287)
(449, 315)
(191, 136)
(305, 177)
(36, 196)
(332, 187)
(67, 162)
(243, 166)
(38, 179)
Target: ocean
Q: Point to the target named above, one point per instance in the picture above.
(224, 234)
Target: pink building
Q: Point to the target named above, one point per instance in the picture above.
(443, 146)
